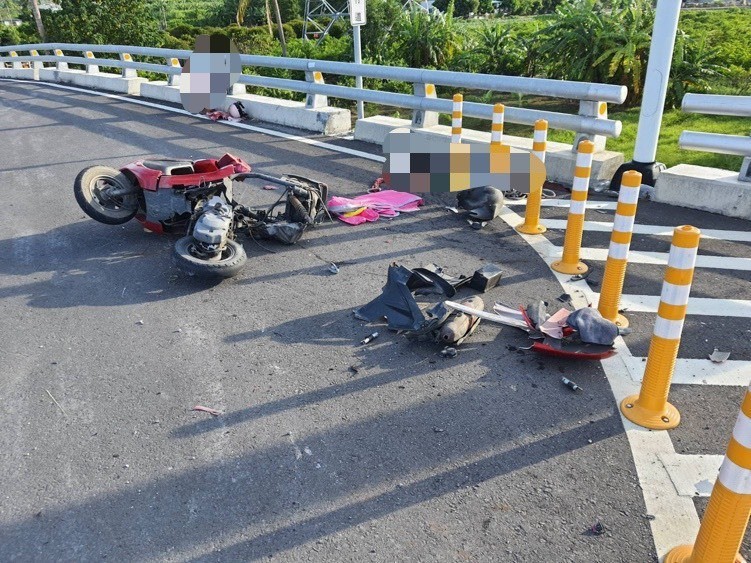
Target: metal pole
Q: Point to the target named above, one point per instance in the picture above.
(653, 97)
(358, 60)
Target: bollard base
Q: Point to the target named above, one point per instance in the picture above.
(666, 419)
(682, 554)
(621, 321)
(531, 229)
(565, 268)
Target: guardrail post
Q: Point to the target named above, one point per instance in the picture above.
(313, 101)
(598, 110)
(15, 64)
(91, 69)
(36, 64)
(569, 262)
(745, 174)
(422, 118)
(173, 79)
(128, 72)
(620, 242)
(725, 520)
(60, 65)
(496, 127)
(456, 119)
(532, 225)
(650, 408)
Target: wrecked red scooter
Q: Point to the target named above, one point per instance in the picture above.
(195, 197)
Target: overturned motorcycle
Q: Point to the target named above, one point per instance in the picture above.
(196, 197)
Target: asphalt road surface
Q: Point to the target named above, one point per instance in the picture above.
(407, 457)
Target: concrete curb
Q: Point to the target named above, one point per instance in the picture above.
(97, 80)
(708, 189)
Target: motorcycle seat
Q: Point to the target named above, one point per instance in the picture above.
(170, 167)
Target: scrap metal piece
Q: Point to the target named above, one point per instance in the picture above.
(461, 325)
(486, 278)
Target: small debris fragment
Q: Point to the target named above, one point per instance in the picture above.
(570, 384)
(452, 209)
(583, 276)
(369, 338)
(212, 412)
(597, 529)
(565, 298)
(718, 357)
(354, 369)
(438, 430)
(649, 516)
(140, 322)
(449, 352)
(269, 187)
(333, 268)
(58, 404)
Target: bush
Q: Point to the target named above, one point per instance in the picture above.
(9, 35)
(466, 7)
(185, 30)
(297, 26)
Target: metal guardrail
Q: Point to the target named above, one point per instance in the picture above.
(709, 104)
(591, 121)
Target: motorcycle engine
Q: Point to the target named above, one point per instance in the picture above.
(213, 226)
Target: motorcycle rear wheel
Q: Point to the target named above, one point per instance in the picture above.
(91, 188)
(232, 261)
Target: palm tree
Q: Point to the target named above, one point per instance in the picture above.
(34, 6)
(242, 8)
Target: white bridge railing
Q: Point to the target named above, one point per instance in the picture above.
(590, 122)
(738, 106)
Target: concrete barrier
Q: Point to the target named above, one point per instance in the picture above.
(20, 73)
(708, 189)
(560, 158)
(95, 80)
(161, 90)
(325, 120)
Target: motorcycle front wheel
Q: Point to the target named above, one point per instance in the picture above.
(106, 195)
(189, 261)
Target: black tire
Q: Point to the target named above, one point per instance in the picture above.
(233, 260)
(91, 187)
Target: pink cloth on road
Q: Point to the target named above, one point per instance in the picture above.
(388, 203)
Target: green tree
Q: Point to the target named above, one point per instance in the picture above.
(377, 35)
(9, 35)
(117, 22)
(695, 68)
(426, 40)
(501, 50)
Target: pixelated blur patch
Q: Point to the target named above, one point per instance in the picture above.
(211, 70)
(416, 165)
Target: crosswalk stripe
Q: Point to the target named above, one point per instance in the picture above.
(661, 259)
(696, 306)
(658, 230)
(692, 371)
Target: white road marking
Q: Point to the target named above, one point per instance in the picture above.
(657, 230)
(696, 305)
(564, 203)
(240, 125)
(661, 258)
(691, 371)
(692, 475)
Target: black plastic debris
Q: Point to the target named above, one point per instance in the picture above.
(483, 203)
(486, 278)
(396, 303)
(434, 279)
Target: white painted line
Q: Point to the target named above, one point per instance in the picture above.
(265, 131)
(564, 203)
(657, 230)
(661, 259)
(692, 475)
(731, 373)
(696, 306)
(675, 519)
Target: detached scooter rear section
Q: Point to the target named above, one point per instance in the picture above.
(195, 197)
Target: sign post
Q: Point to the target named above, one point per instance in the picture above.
(357, 18)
